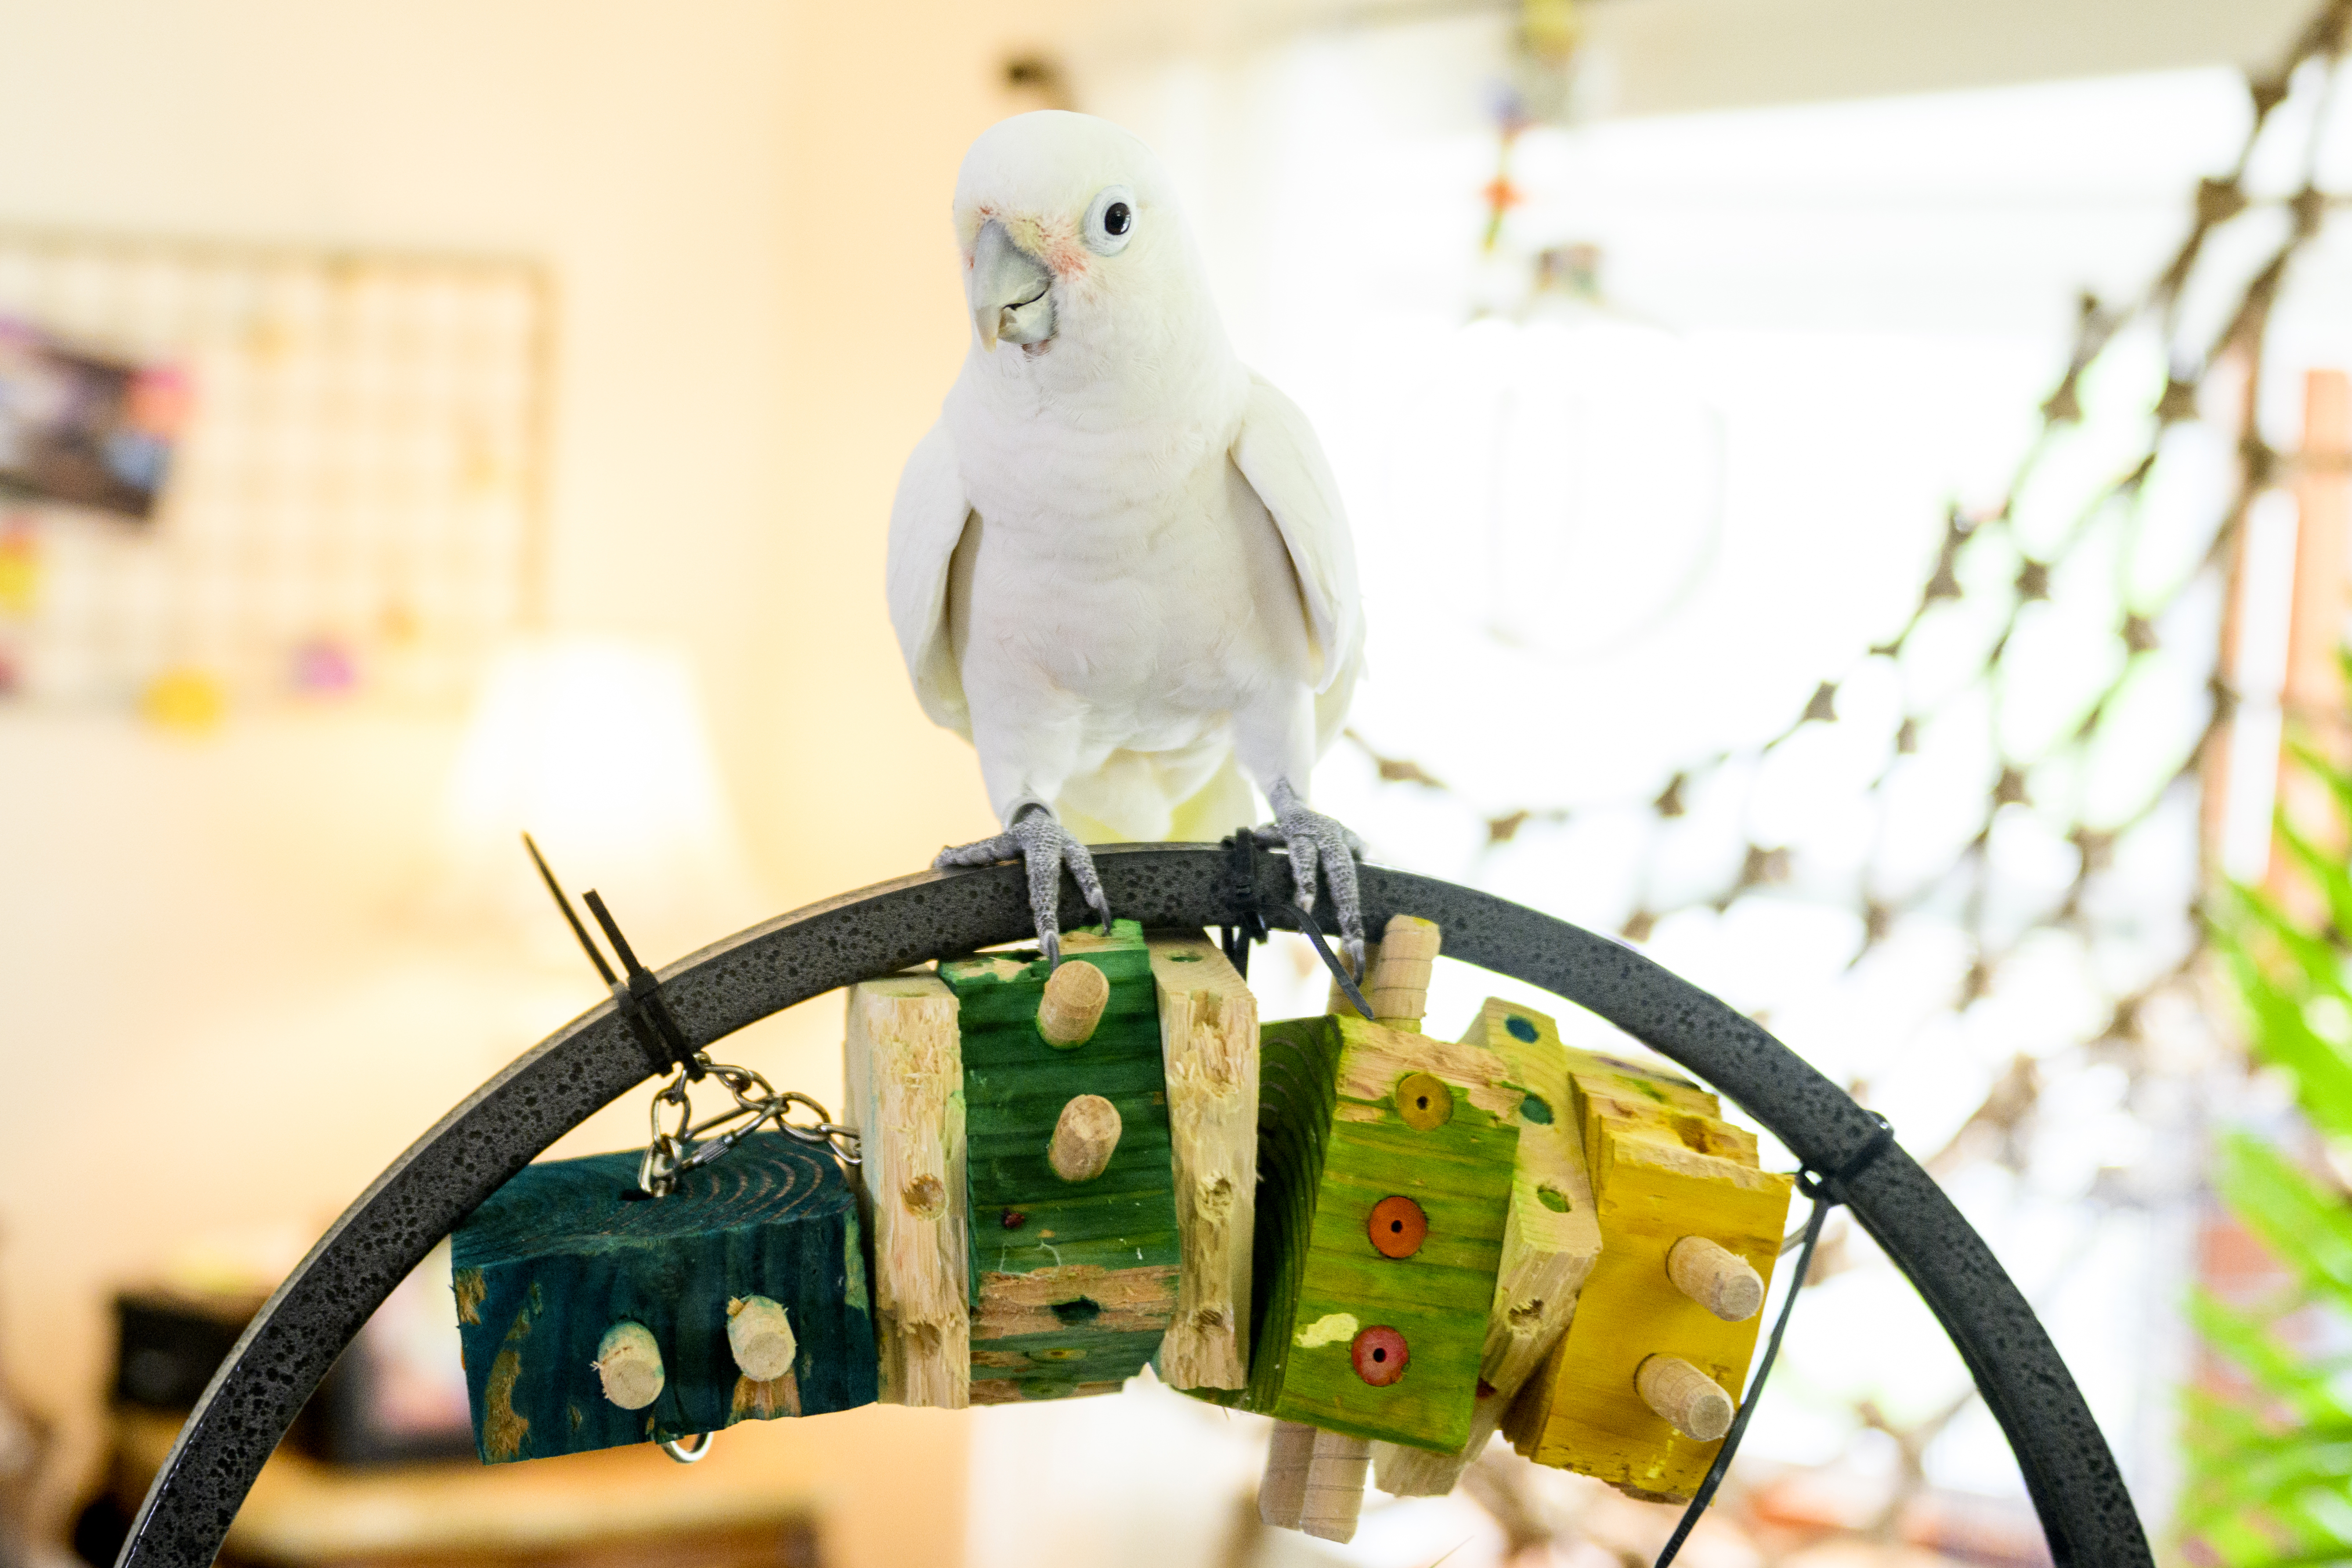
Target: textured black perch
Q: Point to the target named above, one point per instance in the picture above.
(594, 1060)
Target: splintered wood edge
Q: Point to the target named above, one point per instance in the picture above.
(1208, 1034)
(911, 1183)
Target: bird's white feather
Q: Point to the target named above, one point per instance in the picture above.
(927, 519)
(1277, 451)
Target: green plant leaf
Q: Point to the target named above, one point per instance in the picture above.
(2282, 1037)
(2308, 1227)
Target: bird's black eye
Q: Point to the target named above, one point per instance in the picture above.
(1110, 220)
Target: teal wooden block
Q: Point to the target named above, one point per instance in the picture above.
(558, 1258)
(1073, 1283)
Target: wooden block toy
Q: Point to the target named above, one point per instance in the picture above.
(1643, 1385)
(904, 1068)
(590, 1319)
(1314, 1480)
(1550, 1242)
(1385, 1164)
(1072, 1216)
(1208, 1042)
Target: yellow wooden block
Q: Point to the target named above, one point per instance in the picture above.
(1664, 1166)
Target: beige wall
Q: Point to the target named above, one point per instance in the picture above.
(217, 1015)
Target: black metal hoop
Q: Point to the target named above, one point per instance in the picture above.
(2069, 1471)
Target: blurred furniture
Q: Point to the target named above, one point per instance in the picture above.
(398, 1393)
(619, 1507)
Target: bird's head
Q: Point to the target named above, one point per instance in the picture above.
(1072, 244)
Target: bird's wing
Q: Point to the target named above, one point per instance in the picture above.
(1279, 455)
(927, 520)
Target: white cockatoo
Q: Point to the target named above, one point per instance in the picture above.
(1119, 564)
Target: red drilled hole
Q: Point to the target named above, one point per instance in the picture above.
(1397, 1226)
(1380, 1353)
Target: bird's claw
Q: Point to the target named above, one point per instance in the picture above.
(1039, 840)
(1319, 845)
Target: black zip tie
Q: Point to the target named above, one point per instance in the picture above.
(1240, 879)
(1331, 961)
(640, 999)
(1827, 1192)
(555, 891)
(1241, 893)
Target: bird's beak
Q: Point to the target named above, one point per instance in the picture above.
(1010, 292)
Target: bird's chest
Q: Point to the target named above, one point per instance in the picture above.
(1146, 597)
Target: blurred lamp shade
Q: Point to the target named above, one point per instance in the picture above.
(597, 748)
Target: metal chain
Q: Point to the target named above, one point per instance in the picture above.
(684, 1143)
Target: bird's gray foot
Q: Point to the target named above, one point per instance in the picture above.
(1039, 840)
(1319, 846)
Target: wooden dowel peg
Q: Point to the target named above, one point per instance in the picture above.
(760, 1333)
(1398, 980)
(1684, 1398)
(629, 1364)
(1716, 1278)
(1076, 996)
(1084, 1138)
(1335, 1486)
(1289, 1454)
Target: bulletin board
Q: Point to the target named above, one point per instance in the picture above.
(353, 497)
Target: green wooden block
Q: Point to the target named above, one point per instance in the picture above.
(558, 1257)
(1073, 1283)
(1384, 1183)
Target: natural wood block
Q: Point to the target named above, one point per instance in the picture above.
(1208, 1042)
(590, 1321)
(1550, 1242)
(904, 1065)
(1684, 1398)
(1072, 1283)
(1719, 1280)
(1347, 1338)
(1290, 1453)
(1333, 1496)
(1073, 1003)
(1665, 1167)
